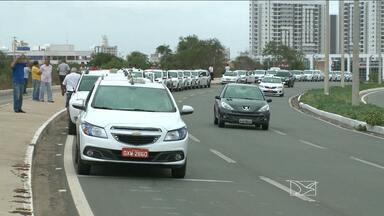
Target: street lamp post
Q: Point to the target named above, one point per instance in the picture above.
(356, 50)
(378, 40)
(326, 50)
(341, 39)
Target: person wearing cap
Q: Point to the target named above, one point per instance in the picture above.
(70, 83)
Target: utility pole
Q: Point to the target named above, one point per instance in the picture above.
(378, 40)
(14, 47)
(356, 51)
(341, 41)
(326, 49)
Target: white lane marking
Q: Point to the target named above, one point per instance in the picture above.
(58, 168)
(286, 189)
(59, 144)
(204, 180)
(330, 123)
(77, 193)
(311, 144)
(64, 133)
(62, 190)
(367, 162)
(222, 156)
(193, 138)
(179, 101)
(366, 95)
(279, 132)
(184, 98)
(58, 155)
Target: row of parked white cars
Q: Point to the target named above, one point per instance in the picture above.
(318, 75)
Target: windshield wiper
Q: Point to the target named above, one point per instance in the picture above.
(248, 98)
(140, 110)
(102, 107)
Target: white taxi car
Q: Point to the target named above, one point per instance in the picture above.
(131, 123)
(272, 86)
(85, 84)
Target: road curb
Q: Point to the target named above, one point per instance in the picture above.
(365, 93)
(28, 160)
(341, 119)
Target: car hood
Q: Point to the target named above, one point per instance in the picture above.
(229, 77)
(109, 118)
(239, 104)
(271, 84)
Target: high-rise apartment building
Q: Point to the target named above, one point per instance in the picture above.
(298, 24)
(368, 25)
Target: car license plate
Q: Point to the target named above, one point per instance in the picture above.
(245, 121)
(134, 153)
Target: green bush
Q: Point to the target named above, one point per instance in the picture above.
(374, 117)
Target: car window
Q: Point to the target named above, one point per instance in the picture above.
(173, 74)
(137, 74)
(271, 80)
(243, 91)
(87, 82)
(133, 98)
(282, 74)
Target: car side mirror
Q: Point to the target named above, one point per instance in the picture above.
(217, 97)
(186, 110)
(79, 104)
(269, 100)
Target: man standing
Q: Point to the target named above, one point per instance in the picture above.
(70, 83)
(46, 81)
(18, 66)
(210, 69)
(27, 71)
(63, 70)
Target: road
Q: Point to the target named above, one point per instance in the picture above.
(245, 171)
(376, 98)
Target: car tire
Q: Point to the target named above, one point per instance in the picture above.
(179, 172)
(81, 167)
(71, 128)
(209, 85)
(220, 122)
(282, 95)
(265, 126)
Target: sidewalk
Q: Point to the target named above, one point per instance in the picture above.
(17, 131)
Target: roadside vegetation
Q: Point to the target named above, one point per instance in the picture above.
(340, 102)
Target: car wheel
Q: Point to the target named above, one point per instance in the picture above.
(215, 120)
(180, 171)
(220, 122)
(81, 167)
(265, 126)
(209, 85)
(71, 128)
(282, 95)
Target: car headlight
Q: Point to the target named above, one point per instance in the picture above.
(175, 135)
(264, 108)
(92, 130)
(226, 106)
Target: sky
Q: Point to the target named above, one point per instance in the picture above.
(131, 25)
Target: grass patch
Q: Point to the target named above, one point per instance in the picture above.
(340, 102)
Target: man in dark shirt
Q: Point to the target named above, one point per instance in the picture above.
(18, 66)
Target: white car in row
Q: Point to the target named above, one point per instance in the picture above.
(272, 86)
(128, 122)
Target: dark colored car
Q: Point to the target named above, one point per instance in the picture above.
(286, 77)
(242, 104)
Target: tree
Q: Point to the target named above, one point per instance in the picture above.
(100, 59)
(163, 50)
(244, 63)
(280, 54)
(138, 60)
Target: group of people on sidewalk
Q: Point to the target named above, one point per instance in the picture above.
(41, 80)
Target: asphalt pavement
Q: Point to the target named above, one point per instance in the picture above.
(376, 98)
(248, 171)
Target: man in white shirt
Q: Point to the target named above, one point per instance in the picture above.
(63, 69)
(70, 83)
(46, 81)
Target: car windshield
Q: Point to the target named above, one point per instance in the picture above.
(271, 80)
(271, 72)
(195, 73)
(308, 72)
(259, 72)
(241, 73)
(188, 74)
(87, 82)
(296, 72)
(132, 98)
(243, 92)
(282, 74)
(137, 74)
(173, 74)
(230, 73)
(157, 74)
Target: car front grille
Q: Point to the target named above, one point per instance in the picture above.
(136, 139)
(270, 87)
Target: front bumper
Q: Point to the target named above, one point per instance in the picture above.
(276, 91)
(236, 117)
